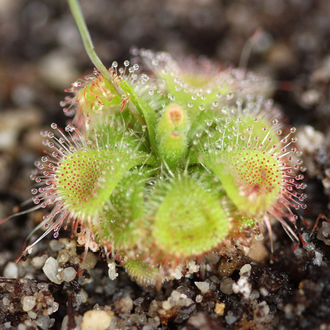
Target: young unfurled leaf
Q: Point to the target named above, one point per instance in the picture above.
(141, 272)
(173, 119)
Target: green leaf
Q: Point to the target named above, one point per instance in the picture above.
(141, 272)
(252, 179)
(174, 118)
(86, 179)
(189, 221)
(171, 148)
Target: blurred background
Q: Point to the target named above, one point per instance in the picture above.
(41, 54)
(41, 51)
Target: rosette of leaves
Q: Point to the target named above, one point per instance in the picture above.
(166, 164)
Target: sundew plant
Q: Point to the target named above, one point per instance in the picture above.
(165, 161)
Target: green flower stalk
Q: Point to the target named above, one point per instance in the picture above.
(161, 171)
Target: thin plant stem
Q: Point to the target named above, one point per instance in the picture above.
(81, 24)
(89, 47)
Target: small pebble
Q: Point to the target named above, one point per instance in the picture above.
(68, 274)
(28, 302)
(112, 272)
(177, 274)
(199, 321)
(11, 270)
(56, 245)
(138, 301)
(264, 291)
(230, 319)
(51, 270)
(69, 244)
(32, 314)
(219, 308)
(246, 269)
(5, 301)
(323, 233)
(138, 319)
(203, 286)
(124, 305)
(226, 285)
(38, 262)
(258, 251)
(166, 305)
(96, 320)
(192, 267)
(63, 256)
(309, 139)
(81, 297)
(45, 322)
(318, 258)
(153, 308)
(89, 262)
(243, 287)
